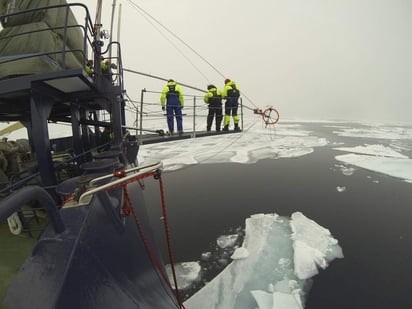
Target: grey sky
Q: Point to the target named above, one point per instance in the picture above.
(314, 59)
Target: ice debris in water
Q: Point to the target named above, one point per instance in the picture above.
(313, 246)
(189, 272)
(225, 241)
(271, 269)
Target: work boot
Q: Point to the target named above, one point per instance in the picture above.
(237, 129)
(180, 133)
(226, 128)
(208, 129)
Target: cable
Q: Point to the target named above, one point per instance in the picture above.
(142, 12)
(164, 79)
(146, 15)
(174, 35)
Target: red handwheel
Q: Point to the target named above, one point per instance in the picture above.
(270, 116)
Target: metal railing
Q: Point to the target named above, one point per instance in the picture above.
(61, 31)
(195, 114)
(130, 174)
(69, 52)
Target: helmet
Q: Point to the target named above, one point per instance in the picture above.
(210, 87)
(170, 81)
(90, 61)
(227, 80)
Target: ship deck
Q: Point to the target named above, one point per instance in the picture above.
(156, 138)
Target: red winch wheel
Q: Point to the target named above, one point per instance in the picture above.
(270, 116)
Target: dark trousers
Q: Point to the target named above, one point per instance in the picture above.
(214, 110)
(231, 106)
(174, 111)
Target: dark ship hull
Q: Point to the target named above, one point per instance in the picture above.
(100, 260)
(99, 250)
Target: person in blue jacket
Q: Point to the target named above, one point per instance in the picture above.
(231, 94)
(173, 102)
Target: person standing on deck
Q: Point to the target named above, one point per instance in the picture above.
(231, 93)
(173, 102)
(89, 68)
(214, 99)
(107, 67)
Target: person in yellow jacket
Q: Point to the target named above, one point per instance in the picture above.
(107, 67)
(231, 93)
(89, 68)
(172, 101)
(213, 98)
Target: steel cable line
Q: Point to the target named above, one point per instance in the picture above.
(175, 36)
(183, 84)
(162, 78)
(146, 15)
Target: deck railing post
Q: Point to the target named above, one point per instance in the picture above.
(65, 37)
(194, 116)
(141, 116)
(241, 113)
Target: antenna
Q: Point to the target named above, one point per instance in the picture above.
(118, 22)
(111, 28)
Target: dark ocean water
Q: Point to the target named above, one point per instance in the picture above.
(372, 219)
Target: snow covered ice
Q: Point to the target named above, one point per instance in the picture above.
(285, 141)
(379, 159)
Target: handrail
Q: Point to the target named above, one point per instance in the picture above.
(40, 30)
(87, 30)
(143, 170)
(131, 170)
(197, 110)
(88, 21)
(118, 59)
(34, 55)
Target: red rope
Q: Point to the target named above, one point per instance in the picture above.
(128, 208)
(69, 198)
(167, 232)
(144, 237)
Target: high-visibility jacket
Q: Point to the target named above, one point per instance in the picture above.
(231, 90)
(172, 94)
(89, 69)
(213, 97)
